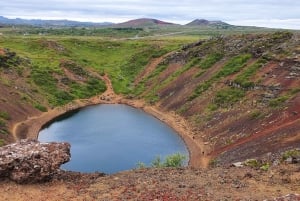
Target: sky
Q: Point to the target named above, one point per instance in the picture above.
(266, 13)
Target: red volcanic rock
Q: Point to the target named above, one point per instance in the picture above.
(30, 161)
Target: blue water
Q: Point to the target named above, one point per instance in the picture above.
(111, 138)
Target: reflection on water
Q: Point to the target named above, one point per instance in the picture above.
(111, 138)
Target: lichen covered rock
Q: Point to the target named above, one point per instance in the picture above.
(30, 161)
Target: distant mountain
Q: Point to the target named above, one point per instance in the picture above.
(142, 22)
(39, 22)
(203, 22)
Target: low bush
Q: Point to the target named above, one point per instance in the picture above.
(4, 115)
(277, 102)
(290, 153)
(41, 107)
(174, 160)
(2, 142)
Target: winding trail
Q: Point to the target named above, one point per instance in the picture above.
(30, 127)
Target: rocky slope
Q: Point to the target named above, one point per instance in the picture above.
(241, 94)
(169, 184)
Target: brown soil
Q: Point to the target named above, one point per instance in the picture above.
(162, 184)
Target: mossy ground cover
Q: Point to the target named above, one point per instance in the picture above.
(122, 60)
(234, 65)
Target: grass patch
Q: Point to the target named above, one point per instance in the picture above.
(257, 114)
(2, 142)
(253, 163)
(227, 97)
(290, 154)
(243, 78)
(41, 107)
(174, 160)
(89, 89)
(278, 102)
(210, 60)
(234, 65)
(4, 115)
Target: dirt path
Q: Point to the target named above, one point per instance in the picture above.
(31, 127)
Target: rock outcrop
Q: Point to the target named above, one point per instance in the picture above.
(30, 161)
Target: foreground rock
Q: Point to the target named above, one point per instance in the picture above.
(30, 161)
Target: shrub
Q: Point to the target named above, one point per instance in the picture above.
(256, 115)
(257, 164)
(174, 160)
(41, 107)
(265, 167)
(277, 102)
(4, 115)
(2, 123)
(290, 153)
(2, 142)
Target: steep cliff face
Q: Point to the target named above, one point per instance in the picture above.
(240, 93)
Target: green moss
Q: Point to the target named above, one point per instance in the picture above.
(257, 114)
(41, 107)
(234, 65)
(210, 60)
(2, 142)
(243, 78)
(4, 115)
(278, 102)
(227, 97)
(290, 153)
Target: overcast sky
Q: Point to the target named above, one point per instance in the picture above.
(268, 13)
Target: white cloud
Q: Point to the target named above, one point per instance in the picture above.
(272, 23)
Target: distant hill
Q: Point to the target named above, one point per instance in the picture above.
(39, 22)
(203, 22)
(142, 22)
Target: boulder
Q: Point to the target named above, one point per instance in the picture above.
(30, 161)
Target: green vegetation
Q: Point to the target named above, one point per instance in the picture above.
(290, 154)
(174, 160)
(84, 57)
(210, 60)
(41, 107)
(243, 78)
(4, 115)
(256, 114)
(278, 102)
(234, 65)
(2, 142)
(2, 123)
(226, 97)
(257, 164)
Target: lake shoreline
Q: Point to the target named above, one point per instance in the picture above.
(30, 128)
